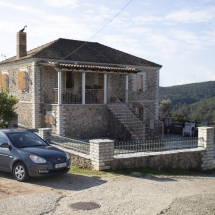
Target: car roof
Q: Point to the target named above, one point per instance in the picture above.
(7, 131)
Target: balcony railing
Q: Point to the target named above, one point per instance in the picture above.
(92, 96)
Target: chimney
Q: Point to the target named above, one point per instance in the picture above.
(21, 45)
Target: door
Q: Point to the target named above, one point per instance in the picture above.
(5, 154)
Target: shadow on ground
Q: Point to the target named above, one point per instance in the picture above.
(69, 182)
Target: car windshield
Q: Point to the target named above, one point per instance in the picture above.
(25, 139)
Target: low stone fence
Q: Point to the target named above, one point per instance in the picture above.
(102, 156)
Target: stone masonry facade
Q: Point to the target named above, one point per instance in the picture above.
(25, 109)
(75, 120)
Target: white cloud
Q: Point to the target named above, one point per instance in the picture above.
(90, 11)
(89, 5)
(146, 19)
(192, 16)
(26, 9)
(181, 16)
(64, 3)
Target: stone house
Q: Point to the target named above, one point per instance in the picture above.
(83, 89)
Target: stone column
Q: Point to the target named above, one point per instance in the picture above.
(83, 87)
(105, 88)
(59, 87)
(36, 121)
(126, 88)
(206, 140)
(45, 133)
(101, 152)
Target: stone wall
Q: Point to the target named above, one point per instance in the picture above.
(184, 160)
(101, 156)
(26, 106)
(85, 121)
(24, 111)
(48, 83)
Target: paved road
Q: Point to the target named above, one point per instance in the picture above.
(78, 194)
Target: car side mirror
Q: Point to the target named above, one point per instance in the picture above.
(5, 145)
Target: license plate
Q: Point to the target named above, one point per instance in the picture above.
(60, 165)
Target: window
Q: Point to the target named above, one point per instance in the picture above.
(22, 76)
(3, 81)
(139, 82)
(101, 80)
(3, 139)
(69, 79)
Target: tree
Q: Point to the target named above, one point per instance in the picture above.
(164, 108)
(7, 108)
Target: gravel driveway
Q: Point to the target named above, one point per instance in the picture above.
(109, 194)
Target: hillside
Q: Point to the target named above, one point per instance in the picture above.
(182, 95)
(200, 111)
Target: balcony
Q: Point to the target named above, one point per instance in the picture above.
(69, 96)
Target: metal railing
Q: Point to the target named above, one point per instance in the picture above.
(157, 145)
(149, 118)
(127, 118)
(69, 96)
(94, 96)
(157, 125)
(66, 142)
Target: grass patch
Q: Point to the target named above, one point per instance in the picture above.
(76, 170)
(154, 172)
(144, 172)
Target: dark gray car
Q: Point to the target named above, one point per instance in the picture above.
(25, 155)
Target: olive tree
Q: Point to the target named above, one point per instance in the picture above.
(7, 108)
(164, 108)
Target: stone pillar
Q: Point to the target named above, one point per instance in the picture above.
(207, 142)
(83, 87)
(126, 88)
(60, 120)
(59, 87)
(45, 133)
(105, 88)
(36, 122)
(101, 152)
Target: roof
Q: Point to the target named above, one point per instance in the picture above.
(101, 68)
(81, 51)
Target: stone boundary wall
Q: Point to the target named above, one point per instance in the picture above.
(102, 157)
(183, 159)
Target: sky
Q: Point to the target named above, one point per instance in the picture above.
(179, 35)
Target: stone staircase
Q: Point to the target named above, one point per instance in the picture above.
(128, 117)
(149, 133)
(130, 121)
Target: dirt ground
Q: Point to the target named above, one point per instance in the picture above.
(109, 194)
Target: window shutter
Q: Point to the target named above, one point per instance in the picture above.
(20, 80)
(101, 80)
(5, 81)
(1, 80)
(23, 80)
(139, 82)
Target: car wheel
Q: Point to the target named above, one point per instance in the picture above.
(20, 172)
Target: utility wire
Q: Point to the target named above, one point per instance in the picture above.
(97, 32)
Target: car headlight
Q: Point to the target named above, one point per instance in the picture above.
(67, 156)
(37, 159)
